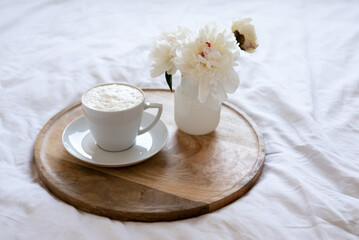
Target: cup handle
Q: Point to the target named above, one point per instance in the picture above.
(159, 112)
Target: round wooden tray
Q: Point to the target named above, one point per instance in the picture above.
(190, 176)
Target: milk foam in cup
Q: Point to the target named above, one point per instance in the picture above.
(112, 97)
(114, 113)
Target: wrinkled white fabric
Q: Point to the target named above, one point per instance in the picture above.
(301, 87)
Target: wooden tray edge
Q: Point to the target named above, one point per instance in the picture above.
(249, 181)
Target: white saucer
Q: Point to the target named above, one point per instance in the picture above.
(80, 143)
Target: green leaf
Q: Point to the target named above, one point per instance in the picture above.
(169, 80)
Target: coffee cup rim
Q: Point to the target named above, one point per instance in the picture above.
(105, 84)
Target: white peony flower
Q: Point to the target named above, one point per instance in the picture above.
(163, 51)
(245, 34)
(208, 60)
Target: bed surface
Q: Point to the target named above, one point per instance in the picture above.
(301, 87)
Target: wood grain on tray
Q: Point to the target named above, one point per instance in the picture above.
(190, 176)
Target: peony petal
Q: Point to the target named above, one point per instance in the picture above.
(203, 91)
(158, 69)
(231, 81)
(172, 71)
(220, 94)
(164, 50)
(209, 66)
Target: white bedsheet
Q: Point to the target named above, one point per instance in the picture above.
(301, 87)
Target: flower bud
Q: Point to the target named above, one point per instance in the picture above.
(245, 34)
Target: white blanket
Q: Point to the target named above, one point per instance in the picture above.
(301, 87)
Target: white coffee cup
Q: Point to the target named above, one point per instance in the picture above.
(116, 128)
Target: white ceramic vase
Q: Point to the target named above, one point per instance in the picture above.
(191, 116)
